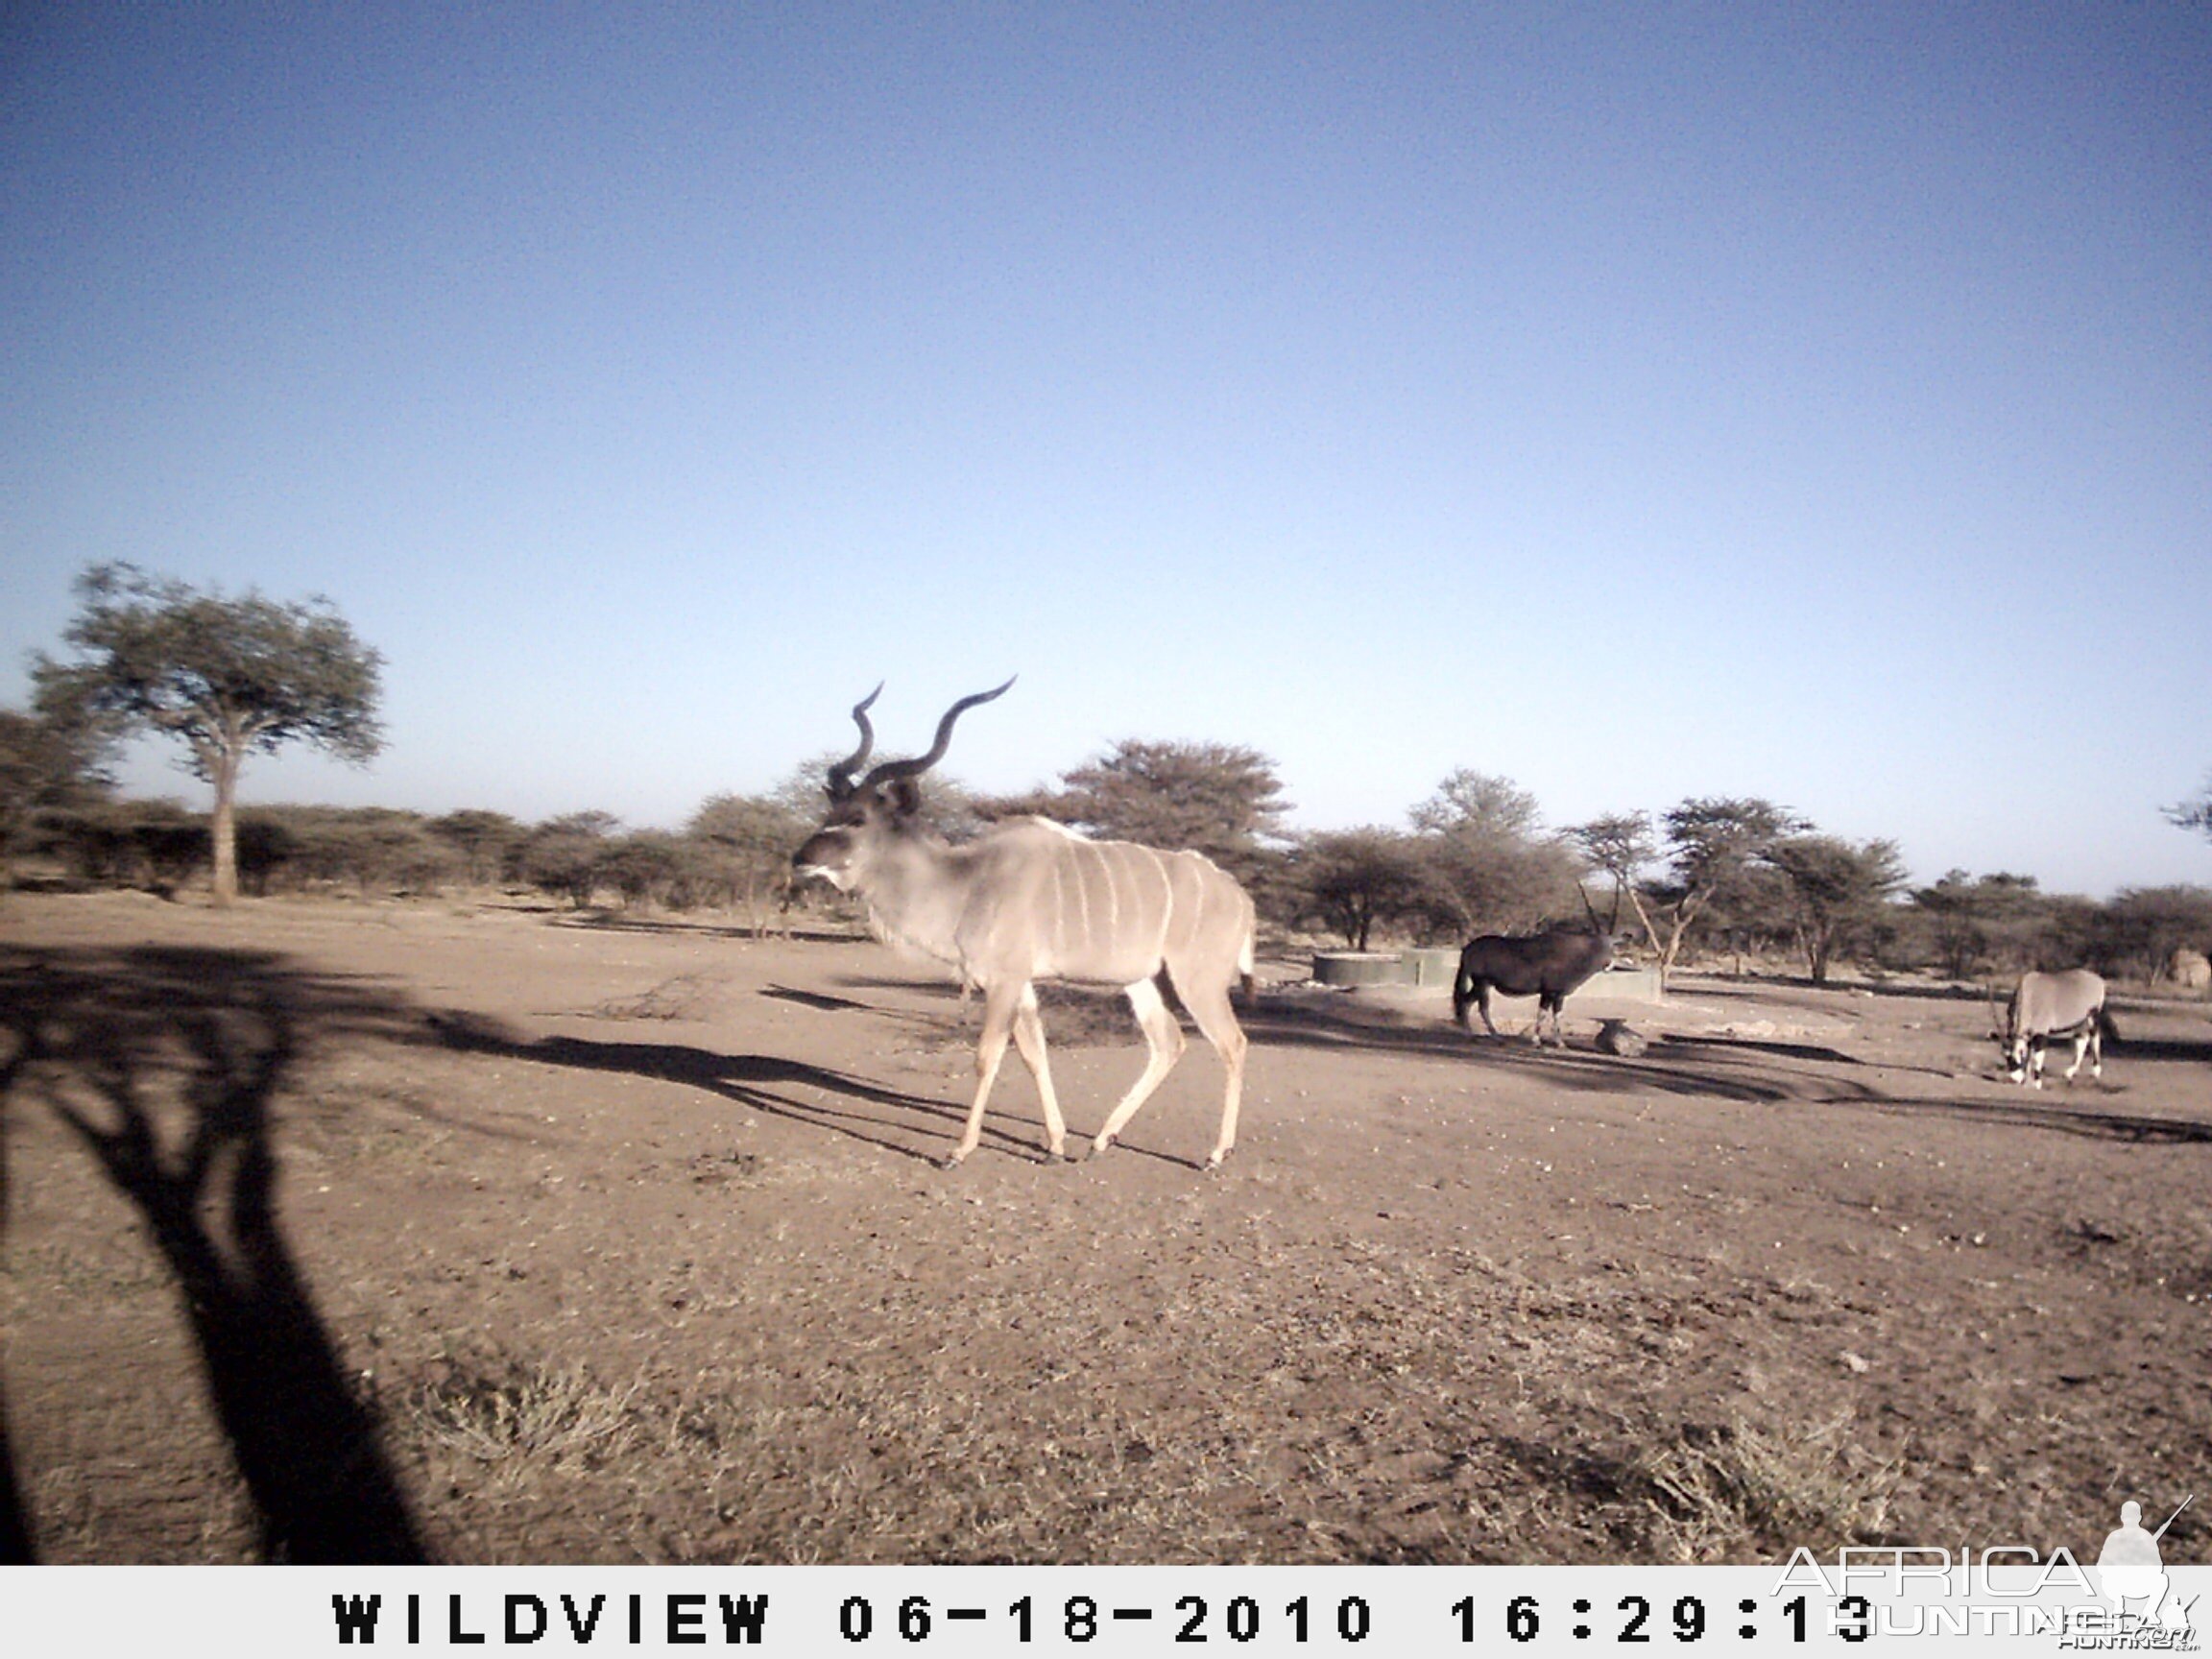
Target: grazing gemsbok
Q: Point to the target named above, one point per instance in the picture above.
(1547, 966)
(2048, 1005)
(1028, 901)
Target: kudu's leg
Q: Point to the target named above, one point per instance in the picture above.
(1029, 1039)
(1164, 1046)
(1000, 1006)
(1210, 1008)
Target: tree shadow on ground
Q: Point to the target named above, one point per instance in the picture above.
(1746, 1070)
(2092, 1122)
(2090, 1113)
(164, 1063)
(15, 1542)
(1295, 1023)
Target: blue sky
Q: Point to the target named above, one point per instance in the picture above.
(1636, 402)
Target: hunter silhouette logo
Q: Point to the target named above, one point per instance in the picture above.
(2130, 1568)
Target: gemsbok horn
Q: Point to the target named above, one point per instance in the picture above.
(1030, 899)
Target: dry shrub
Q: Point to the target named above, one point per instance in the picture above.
(1739, 1493)
(681, 998)
(519, 1419)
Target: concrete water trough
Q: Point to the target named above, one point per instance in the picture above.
(1360, 970)
(1433, 968)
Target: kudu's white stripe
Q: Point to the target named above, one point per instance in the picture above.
(1159, 866)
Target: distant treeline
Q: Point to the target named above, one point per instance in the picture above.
(1740, 878)
(1368, 888)
(734, 855)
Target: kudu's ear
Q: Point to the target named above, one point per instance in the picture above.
(905, 797)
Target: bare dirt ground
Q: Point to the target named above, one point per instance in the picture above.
(486, 1233)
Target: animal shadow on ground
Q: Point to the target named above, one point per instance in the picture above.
(2180, 1049)
(15, 1544)
(163, 1065)
(761, 1082)
(653, 926)
(814, 1000)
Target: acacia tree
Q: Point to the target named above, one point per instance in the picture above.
(1354, 880)
(1976, 918)
(50, 756)
(1493, 866)
(752, 839)
(651, 866)
(1219, 799)
(1712, 842)
(1838, 889)
(2193, 813)
(486, 842)
(2139, 930)
(567, 856)
(1621, 844)
(227, 676)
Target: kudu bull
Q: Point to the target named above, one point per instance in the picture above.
(2048, 1005)
(1031, 900)
(1548, 966)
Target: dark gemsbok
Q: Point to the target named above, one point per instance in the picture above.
(1030, 899)
(1547, 966)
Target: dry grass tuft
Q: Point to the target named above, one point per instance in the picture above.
(1739, 1492)
(522, 1419)
(682, 997)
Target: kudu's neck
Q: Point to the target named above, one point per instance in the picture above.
(916, 886)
